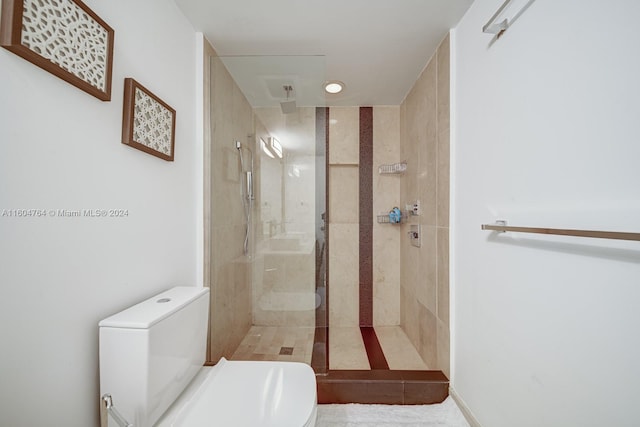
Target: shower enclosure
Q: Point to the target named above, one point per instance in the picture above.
(266, 179)
(271, 133)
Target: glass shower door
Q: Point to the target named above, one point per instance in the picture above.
(271, 183)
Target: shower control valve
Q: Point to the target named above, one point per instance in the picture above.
(414, 235)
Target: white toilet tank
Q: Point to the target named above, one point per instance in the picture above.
(151, 351)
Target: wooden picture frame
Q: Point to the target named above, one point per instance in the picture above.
(148, 123)
(63, 37)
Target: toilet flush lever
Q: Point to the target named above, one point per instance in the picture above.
(107, 408)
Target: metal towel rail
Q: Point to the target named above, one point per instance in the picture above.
(107, 408)
(498, 26)
(502, 226)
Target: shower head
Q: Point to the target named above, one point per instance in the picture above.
(288, 106)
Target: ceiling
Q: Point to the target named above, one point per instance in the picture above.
(376, 47)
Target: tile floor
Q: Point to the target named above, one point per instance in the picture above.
(293, 344)
(346, 348)
(398, 350)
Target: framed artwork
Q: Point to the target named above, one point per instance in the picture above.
(63, 37)
(148, 123)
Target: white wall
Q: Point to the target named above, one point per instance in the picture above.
(60, 149)
(546, 134)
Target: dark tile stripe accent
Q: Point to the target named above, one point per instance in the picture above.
(374, 349)
(366, 216)
(383, 386)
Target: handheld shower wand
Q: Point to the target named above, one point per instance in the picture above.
(248, 174)
(249, 180)
(247, 197)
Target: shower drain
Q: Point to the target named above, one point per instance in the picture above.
(286, 351)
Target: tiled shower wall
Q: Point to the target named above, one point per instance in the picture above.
(344, 237)
(231, 119)
(410, 285)
(424, 142)
(343, 216)
(386, 237)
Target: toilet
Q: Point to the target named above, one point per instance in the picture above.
(151, 358)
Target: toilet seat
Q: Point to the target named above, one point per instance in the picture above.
(247, 393)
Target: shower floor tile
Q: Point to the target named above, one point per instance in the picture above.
(266, 343)
(348, 350)
(346, 347)
(398, 350)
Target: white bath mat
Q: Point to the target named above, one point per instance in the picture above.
(445, 414)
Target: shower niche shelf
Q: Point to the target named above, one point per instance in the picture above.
(393, 168)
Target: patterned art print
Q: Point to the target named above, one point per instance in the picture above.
(148, 122)
(63, 33)
(152, 123)
(64, 37)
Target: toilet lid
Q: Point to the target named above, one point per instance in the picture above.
(244, 393)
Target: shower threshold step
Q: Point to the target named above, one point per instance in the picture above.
(382, 386)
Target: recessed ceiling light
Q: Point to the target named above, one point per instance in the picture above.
(333, 86)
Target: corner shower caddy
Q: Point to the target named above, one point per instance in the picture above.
(384, 219)
(412, 209)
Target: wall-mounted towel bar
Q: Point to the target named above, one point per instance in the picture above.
(503, 227)
(508, 13)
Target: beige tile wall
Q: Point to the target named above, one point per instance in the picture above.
(231, 118)
(344, 153)
(344, 193)
(424, 274)
(443, 203)
(344, 217)
(344, 135)
(386, 237)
